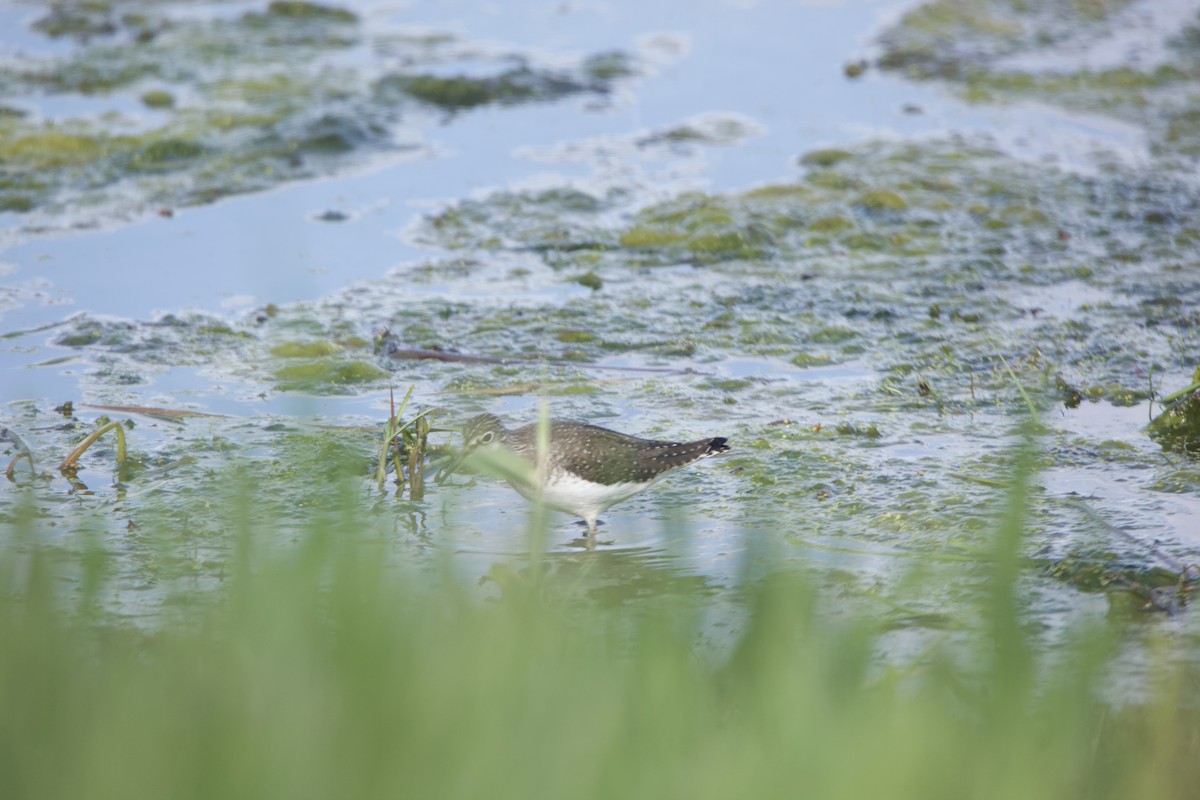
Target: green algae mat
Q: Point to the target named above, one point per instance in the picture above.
(240, 102)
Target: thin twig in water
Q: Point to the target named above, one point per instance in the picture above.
(442, 355)
(151, 411)
(25, 452)
(69, 463)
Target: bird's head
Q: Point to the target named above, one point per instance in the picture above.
(480, 431)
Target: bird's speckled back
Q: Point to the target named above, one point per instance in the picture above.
(604, 456)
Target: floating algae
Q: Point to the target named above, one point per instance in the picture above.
(241, 103)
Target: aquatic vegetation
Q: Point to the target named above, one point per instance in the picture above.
(943, 300)
(1177, 426)
(297, 9)
(69, 463)
(517, 85)
(590, 279)
(606, 67)
(1155, 587)
(979, 46)
(77, 20)
(407, 443)
(157, 98)
(825, 158)
(312, 349)
(946, 39)
(809, 275)
(326, 375)
(243, 102)
(706, 129)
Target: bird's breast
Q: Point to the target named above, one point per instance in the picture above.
(567, 491)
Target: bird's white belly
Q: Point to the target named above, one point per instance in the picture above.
(568, 492)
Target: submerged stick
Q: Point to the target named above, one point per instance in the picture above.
(442, 355)
(153, 411)
(69, 463)
(12, 465)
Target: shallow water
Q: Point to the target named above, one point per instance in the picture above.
(866, 357)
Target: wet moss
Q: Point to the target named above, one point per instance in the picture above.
(728, 244)
(605, 67)
(460, 92)
(928, 183)
(51, 149)
(589, 279)
(867, 241)
(825, 158)
(834, 334)
(77, 20)
(1107, 571)
(833, 223)
(277, 91)
(812, 360)
(166, 154)
(82, 338)
(782, 191)
(965, 42)
(832, 179)
(327, 375)
(937, 38)
(11, 201)
(1116, 80)
(264, 73)
(334, 134)
(730, 384)
(452, 93)
(575, 336)
(295, 9)
(573, 390)
(882, 199)
(158, 99)
(867, 431)
(1177, 427)
(544, 222)
(103, 69)
(1183, 131)
(301, 25)
(702, 227)
(310, 349)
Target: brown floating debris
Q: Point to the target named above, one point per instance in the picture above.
(393, 351)
(155, 412)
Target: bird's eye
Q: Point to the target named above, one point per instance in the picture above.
(487, 437)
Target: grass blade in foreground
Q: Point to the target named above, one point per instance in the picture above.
(324, 671)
